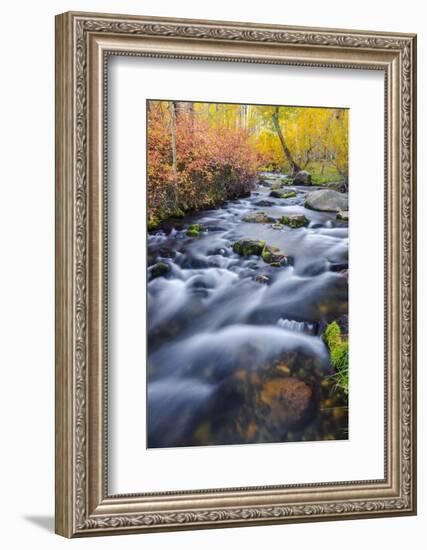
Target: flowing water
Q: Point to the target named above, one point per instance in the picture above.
(234, 348)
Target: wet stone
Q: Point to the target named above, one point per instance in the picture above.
(257, 217)
(295, 221)
(281, 195)
(159, 270)
(249, 247)
(262, 278)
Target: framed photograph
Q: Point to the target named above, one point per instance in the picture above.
(235, 274)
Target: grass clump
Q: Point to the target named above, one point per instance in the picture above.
(317, 179)
(338, 349)
(194, 230)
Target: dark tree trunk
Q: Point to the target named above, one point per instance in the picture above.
(295, 168)
(172, 107)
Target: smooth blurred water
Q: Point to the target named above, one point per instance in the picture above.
(222, 346)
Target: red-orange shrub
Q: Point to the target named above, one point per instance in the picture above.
(213, 164)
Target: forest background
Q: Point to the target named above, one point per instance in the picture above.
(202, 154)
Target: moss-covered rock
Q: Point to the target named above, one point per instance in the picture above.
(194, 230)
(273, 256)
(249, 247)
(302, 178)
(270, 254)
(295, 221)
(258, 217)
(280, 195)
(159, 270)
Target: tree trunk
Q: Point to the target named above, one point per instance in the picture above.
(172, 108)
(244, 116)
(294, 166)
(191, 112)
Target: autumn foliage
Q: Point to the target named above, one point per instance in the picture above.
(201, 154)
(213, 163)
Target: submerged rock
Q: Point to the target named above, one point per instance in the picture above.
(159, 270)
(249, 247)
(277, 226)
(327, 200)
(264, 203)
(338, 266)
(302, 178)
(288, 399)
(258, 217)
(295, 221)
(262, 278)
(280, 195)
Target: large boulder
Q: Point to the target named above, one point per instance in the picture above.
(302, 178)
(258, 217)
(327, 200)
(280, 195)
(287, 400)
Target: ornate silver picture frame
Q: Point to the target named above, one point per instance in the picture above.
(84, 506)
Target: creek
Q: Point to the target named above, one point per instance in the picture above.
(235, 353)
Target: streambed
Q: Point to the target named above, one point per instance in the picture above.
(235, 353)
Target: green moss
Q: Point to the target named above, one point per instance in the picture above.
(321, 180)
(177, 213)
(323, 172)
(266, 255)
(194, 230)
(249, 247)
(152, 223)
(272, 255)
(338, 349)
